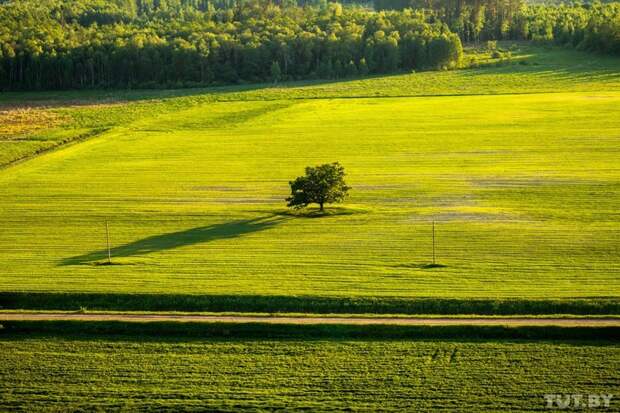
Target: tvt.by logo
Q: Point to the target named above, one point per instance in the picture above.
(577, 401)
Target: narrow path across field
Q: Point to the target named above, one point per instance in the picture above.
(429, 321)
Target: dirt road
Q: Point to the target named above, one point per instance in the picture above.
(413, 321)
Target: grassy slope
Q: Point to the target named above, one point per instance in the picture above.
(24, 132)
(111, 373)
(524, 189)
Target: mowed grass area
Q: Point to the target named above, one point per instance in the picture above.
(524, 190)
(111, 373)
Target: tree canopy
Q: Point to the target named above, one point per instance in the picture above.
(590, 26)
(57, 44)
(323, 184)
(54, 44)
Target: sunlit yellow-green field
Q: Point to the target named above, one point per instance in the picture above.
(524, 190)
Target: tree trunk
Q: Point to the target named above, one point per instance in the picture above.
(321, 206)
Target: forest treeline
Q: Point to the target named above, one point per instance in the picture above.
(587, 26)
(55, 44)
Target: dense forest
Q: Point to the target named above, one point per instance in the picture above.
(588, 26)
(55, 44)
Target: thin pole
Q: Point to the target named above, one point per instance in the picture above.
(433, 242)
(107, 236)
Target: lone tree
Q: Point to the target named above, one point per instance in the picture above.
(323, 184)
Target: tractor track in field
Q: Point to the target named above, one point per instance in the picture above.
(412, 321)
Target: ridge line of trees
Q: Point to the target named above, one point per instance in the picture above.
(52, 44)
(588, 26)
(56, 44)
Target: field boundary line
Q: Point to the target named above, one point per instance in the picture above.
(57, 147)
(411, 321)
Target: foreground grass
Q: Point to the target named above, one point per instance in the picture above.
(41, 373)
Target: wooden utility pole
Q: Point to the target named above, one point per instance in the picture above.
(433, 242)
(107, 236)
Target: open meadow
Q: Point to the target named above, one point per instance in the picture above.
(524, 189)
(516, 163)
(258, 206)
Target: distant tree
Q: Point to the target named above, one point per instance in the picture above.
(276, 73)
(363, 67)
(323, 184)
(351, 69)
(444, 50)
(325, 69)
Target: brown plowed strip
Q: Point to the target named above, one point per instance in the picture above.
(565, 322)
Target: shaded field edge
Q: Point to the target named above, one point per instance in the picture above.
(61, 144)
(84, 311)
(170, 330)
(304, 304)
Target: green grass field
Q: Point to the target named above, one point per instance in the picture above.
(83, 114)
(516, 162)
(524, 188)
(111, 373)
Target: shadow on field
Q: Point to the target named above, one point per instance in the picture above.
(316, 213)
(562, 63)
(232, 229)
(425, 266)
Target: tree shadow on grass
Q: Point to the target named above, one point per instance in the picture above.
(316, 213)
(426, 266)
(232, 229)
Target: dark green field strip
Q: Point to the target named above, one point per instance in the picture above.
(131, 373)
(198, 330)
(302, 304)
